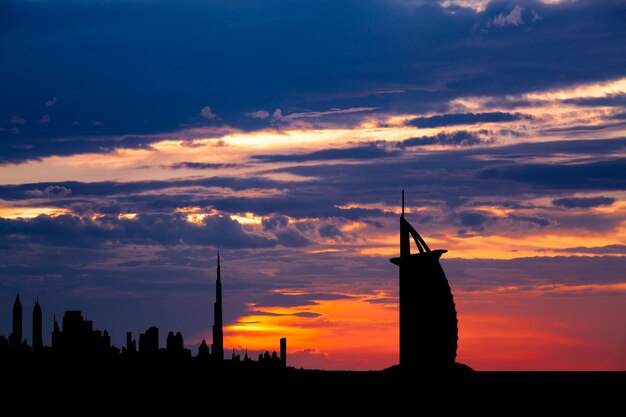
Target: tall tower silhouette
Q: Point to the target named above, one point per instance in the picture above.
(37, 328)
(428, 323)
(15, 339)
(217, 348)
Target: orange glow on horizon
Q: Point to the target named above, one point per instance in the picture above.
(337, 329)
(510, 328)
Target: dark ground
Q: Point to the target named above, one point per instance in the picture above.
(104, 388)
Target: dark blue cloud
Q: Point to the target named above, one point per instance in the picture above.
(18, 148)
(107, 188)
(616, 100)
(472, 219)
(597, 250)
(201, 165)
(145, 229)
(304, 314)
(453, 119)
(539, 221)
(459, 138)
(583, 202)
(584, 128)
(275, 222)
(331, 231)
(130, 68)
(473, 274)
(370, 151)
(296, 300)
(602, 175)
(292, 239)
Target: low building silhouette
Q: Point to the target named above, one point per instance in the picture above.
(203, 350)
(131, 344)
(78, 337)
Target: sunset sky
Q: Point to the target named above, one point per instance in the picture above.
(138, 136)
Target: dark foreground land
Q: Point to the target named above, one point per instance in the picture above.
(154, 387)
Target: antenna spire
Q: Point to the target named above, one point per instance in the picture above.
(402, 203)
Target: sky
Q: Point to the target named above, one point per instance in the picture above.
(137, 137)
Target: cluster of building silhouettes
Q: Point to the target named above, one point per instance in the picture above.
(76, 337)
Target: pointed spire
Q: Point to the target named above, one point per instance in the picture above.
(218, 333)
(17, 302)
(219, 272)
(405, 243)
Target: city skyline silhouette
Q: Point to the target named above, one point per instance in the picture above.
(77, 338)
(428, 325)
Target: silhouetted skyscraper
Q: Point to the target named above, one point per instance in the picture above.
(283, 352)
(149, 341)
(37, 328)
(217, 349)
(56, 335)
(428, 323)
(131, 345)
(15, 340)
(174, 343)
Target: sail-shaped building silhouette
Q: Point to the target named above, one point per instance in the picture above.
(428, 322)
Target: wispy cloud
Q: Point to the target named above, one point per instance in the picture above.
(259, 114)
(207, 113)
(513, 18)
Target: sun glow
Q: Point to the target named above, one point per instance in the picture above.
(247, 218)
(31, 212)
